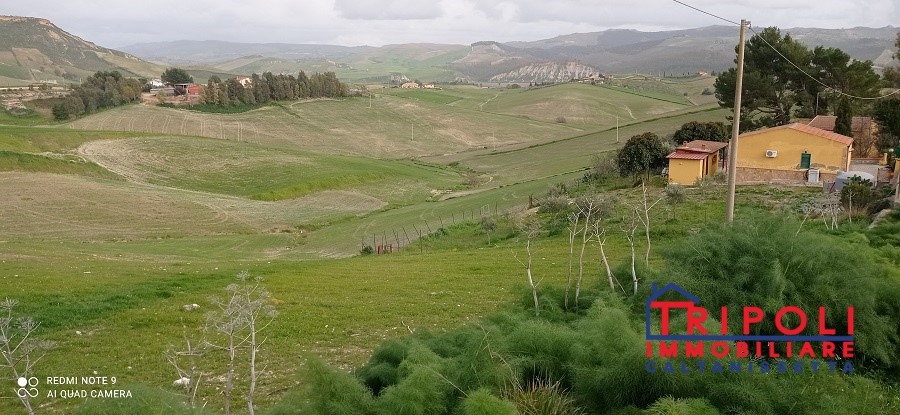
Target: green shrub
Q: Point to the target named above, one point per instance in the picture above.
(541, 397)
(328, 392)
(482, 402)
(671, 406)
(767, 263)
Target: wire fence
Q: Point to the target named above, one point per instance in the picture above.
(395, 239)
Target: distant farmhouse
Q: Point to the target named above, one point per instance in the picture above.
(409, 85)
(792, 153)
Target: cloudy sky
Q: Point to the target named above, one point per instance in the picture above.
(116, 23)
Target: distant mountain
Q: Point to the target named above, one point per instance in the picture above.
(206, 52)
(691, 50)
(34, 49)
(611, 51)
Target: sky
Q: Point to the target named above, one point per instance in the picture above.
(117, 23)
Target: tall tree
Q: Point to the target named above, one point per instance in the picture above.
(695, 130)
(892, 73)
(176, 76)
(776, 87)
(641, 153)
(844, 122)
(769, 80)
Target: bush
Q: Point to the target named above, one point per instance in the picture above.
(483, 403)
(766, 262)
(675, 193)
(328, 392)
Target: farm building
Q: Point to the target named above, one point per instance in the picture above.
(409, 85)
(695, 160)
(191, 89)
(792, 153)
(863, 130)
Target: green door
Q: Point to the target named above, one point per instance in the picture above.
(804, 160)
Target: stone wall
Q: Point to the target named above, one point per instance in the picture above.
(746, 175)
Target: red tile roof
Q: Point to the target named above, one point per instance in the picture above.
(828, 135)
(826, 122)
(703, 146)
(687, 155)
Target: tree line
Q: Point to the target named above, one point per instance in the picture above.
(102, 90)
(778, 87)
(775, 90)
(269, 87)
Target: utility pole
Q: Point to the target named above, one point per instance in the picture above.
(617, 128)
(735, 129)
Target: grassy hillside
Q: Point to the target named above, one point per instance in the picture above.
(34, 49)
(115, 221)
(391, 128)
(584, 105)
(261, 173)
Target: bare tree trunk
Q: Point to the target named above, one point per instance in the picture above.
(586, 208)
(534, 295)
(629, 234)
(600, 235)
(645, 220)
(253, 349)
(530, 227)
(573, 230)
(229, 376)
(584, 241)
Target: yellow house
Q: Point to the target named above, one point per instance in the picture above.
(694, 160)
(790, 152)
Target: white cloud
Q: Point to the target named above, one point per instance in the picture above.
(388, 9)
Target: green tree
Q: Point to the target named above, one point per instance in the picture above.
(769, 80)
(74, 105)
(887, 114)
(775, 89)
(844, 122)
(176, 76)
(640, 154)
(60, 112)
(695, 130)
(892, 73)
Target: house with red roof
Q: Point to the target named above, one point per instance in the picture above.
(695, 160)
(792, 153)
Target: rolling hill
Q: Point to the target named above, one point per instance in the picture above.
(34, 50)
(611, 51)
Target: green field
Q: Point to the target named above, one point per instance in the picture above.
(112, 222)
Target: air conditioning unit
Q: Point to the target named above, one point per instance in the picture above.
(771, 153)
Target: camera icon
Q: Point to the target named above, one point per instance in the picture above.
(27, 387)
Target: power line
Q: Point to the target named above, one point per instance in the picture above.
(813, 78)
(707, 13)
(828, 87)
